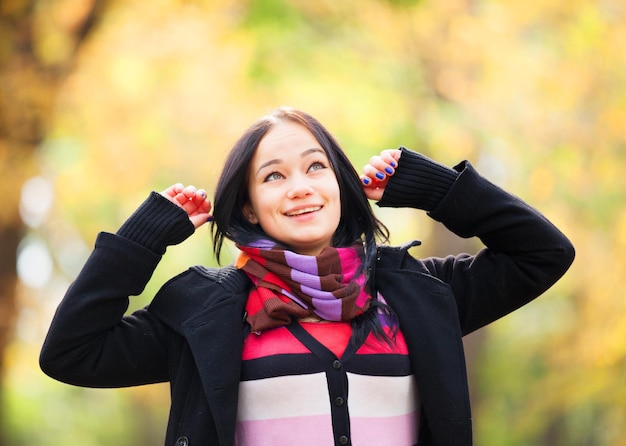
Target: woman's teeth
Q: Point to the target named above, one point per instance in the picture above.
(304, 211)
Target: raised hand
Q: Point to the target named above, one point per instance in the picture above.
(376, 174)
(194, 202)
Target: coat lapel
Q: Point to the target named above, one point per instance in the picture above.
(427, 315)
(215, 336)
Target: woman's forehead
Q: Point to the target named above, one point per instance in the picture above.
(286, 140)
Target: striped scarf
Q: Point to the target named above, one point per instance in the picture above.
(287, 284)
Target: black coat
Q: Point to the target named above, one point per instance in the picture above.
(191, 334)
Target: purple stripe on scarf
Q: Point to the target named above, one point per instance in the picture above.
(318, 294)
(328, 309)
(307, 264)
(294, 298)
(326, 305)
(262, 244)
(306, 279)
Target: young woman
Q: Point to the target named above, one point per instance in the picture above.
(317, 334)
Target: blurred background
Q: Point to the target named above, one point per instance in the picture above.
(102, 101)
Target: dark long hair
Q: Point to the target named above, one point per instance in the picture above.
(357, 221)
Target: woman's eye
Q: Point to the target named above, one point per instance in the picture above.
(273, 176)
(316, 166)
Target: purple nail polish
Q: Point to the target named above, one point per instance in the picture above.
(393, 164)
(209, 218)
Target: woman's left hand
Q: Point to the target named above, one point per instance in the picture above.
(376, 174)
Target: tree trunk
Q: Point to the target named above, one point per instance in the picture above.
(9, 239)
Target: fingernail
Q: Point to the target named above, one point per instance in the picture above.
(380, 176)
(393, 164)
(366, 180)
(389, 170)
(203, 194)
(209, 218)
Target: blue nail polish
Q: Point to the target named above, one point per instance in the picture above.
(380, 176)
(366, 180)
(389, 170)
(209, 218)
(393, 164)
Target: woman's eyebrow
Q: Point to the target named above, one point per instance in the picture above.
(268, 163)
(310, 151)
(278, 160)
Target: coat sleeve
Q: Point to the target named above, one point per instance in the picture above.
(90, 342)
(524, 253)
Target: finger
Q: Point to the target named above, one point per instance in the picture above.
(369, 183)
(197, 206)
(199, 197)
(384, 164)
(372, 191)
(189, 192)
(173, 190)
(198, 203)
(200, 214)
(199, 219)
(184, 195)
(391, 157)
(181, 199)
(205, 206)
(375, 175)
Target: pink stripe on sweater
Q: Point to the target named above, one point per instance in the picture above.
(317, 430)
(302, 431)
(397, 431)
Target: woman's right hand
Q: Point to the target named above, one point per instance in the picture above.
(192, 201)
(376, 174)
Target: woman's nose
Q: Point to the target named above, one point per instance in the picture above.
(299, 188)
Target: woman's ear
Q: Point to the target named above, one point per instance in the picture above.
(248, 212)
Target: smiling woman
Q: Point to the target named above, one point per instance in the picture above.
(267, 348)
(294, 135)
(293, 191)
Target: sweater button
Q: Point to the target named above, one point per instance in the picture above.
(182, 441)
(339, 401)
(343, 440)
(336, 364)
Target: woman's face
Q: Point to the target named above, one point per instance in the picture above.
(294, 194)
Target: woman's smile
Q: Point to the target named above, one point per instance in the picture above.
(303, 211)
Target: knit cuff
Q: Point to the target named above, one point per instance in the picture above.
(418, 182)
(157, 224)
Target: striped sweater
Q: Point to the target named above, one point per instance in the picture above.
(306, 384)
